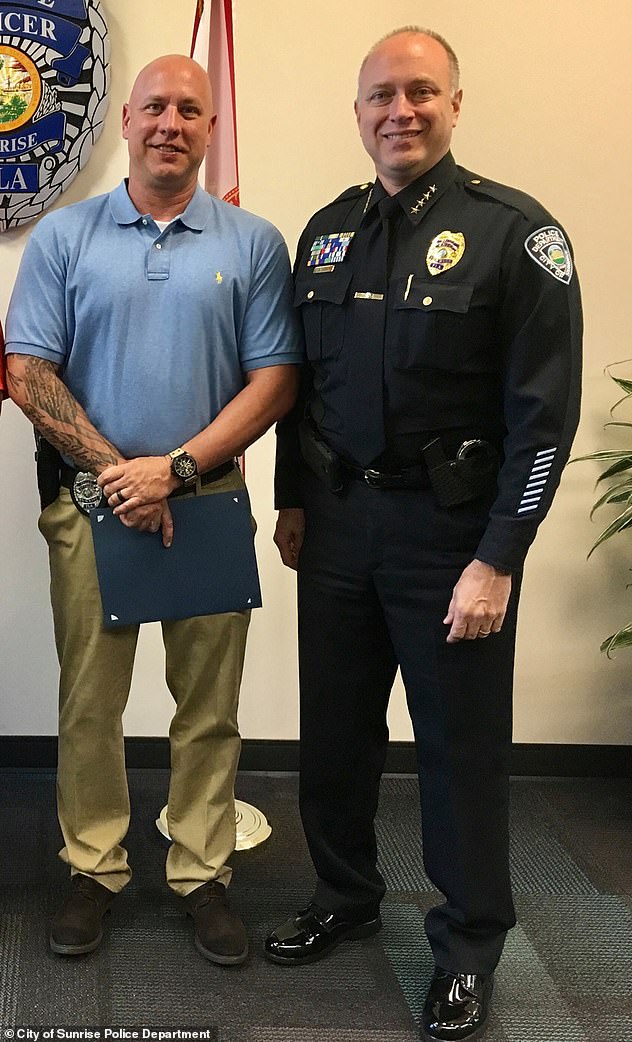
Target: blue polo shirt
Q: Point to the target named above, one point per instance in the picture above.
(154, 330)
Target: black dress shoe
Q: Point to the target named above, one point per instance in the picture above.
(456, 1006)
(312, 934)
(77, 927)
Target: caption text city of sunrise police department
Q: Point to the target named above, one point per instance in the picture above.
(103, 1034)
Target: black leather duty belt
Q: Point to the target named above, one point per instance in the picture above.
(407, 477)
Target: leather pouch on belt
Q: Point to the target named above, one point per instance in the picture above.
(470, 475)
(322, 460)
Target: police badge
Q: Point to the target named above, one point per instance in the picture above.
(445, 250)
(86, 493)
(548, 248)
(54, 79)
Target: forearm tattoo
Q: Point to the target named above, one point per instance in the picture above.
(54, 412)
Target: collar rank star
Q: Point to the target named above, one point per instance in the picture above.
(548, 248)
(329, 250)
(445, 250)
(424, 199)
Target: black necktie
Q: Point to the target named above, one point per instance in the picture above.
(364, 414)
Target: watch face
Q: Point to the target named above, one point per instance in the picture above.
(185, 466)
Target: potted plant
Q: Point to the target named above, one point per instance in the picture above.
(619, 491)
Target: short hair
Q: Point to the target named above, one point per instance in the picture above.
(418, 30)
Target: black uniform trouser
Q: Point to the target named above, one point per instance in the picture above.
(376, 574)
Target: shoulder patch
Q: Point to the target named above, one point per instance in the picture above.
(548, 247)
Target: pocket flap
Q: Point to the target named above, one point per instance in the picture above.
(425, 295)
(330, 287)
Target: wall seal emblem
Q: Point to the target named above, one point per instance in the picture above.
(54, 81)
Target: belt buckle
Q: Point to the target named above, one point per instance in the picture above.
(373, 478)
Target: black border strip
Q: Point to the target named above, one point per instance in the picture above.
(564, 761)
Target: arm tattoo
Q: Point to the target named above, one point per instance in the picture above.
(56, 414)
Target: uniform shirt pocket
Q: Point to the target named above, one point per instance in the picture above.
(321, 296)
(442, 326)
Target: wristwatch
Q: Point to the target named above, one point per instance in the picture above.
(183, 466)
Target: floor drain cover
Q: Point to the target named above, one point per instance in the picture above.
(252, 825)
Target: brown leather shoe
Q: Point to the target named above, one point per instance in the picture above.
(220, 935)
(77, 927)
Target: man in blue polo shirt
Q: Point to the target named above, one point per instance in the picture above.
(150, 340)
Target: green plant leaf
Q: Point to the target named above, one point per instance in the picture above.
(617, 468)
(608, 368)
(604, 454)
(622, 457)
(621, 401)
(622, 521)
(615, 494)
(621, 639)
(625, 385)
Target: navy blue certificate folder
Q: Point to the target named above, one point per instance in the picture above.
(209, 568)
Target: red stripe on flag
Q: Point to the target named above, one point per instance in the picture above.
(215, 52)
(228, 21)
(213, 47)
(196, 24)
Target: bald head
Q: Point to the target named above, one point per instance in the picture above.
(167, 123)
(406, 106)
(431, 34)
(170, 67)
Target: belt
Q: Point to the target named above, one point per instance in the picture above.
(68, 475)
(407, 477)
(208, 478)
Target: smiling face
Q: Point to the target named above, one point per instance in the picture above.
(406, 107)
(167, 123)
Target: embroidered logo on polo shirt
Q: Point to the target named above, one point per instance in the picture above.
(445, 250)
(54, 79)
(548, 248)
(328, 250)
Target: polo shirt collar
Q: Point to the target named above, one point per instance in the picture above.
(195, 216)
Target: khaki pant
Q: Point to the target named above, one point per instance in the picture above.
(204, 661)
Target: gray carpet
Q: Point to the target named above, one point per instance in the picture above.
(565, 976)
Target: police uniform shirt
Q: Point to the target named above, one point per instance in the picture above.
(452, 308)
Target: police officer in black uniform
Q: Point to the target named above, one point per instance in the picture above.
(443, 328)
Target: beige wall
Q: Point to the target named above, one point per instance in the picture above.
(547, 107)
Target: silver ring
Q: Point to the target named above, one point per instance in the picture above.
(484, 633)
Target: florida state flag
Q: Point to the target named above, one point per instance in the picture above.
(212, 47)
